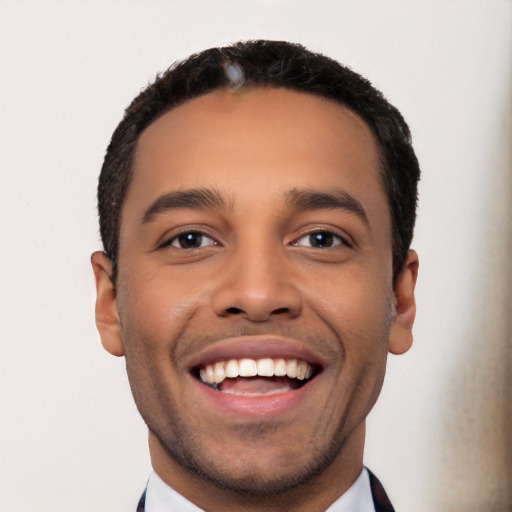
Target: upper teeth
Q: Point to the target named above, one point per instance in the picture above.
(267, 367)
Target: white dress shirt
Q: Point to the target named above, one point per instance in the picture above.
(162, 498)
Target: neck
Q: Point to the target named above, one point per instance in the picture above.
(316, 495)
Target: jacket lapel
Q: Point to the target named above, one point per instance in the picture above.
(141, 507)
(380, 498)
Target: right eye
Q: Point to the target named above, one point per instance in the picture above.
(190, 240)
(321, 239)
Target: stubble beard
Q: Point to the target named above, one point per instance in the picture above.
(252, 486)
(180, 445)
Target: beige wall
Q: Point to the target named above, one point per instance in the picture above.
(70, 437)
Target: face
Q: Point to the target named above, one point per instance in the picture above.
(254, 300)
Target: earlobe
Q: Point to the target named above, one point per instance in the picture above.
(107, 316)
(400, 339)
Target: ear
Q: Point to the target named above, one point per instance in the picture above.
(107, 316)
(400, 338)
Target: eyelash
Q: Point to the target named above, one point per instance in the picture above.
(336, 239)
(198, 233)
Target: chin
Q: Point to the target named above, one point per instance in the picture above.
(258, 472)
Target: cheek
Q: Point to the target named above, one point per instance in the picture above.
(155, 316)
(156, 304)
(357, 311)
(351, 302)
(151, 324)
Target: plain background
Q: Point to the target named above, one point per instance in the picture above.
(71, 439)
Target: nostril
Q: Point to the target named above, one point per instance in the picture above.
(238, 311)
(234, 311)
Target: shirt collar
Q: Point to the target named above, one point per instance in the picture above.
(358, 497)
(162, 498)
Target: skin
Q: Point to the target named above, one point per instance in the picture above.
(254, 276)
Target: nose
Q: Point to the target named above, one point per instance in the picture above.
(257, 285)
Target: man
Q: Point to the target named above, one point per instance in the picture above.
(257, 204)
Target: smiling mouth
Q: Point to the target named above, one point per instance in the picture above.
(256, 377)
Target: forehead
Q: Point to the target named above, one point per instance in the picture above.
(259, 141)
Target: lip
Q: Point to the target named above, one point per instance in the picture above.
(254, 347)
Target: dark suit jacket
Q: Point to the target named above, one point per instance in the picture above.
(380, 498)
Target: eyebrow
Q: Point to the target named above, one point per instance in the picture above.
(195, 199)
(302, 200)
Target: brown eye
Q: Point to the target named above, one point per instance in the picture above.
(321, 240)
(191, 240)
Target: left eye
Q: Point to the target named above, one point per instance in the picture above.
(320, 240)
(191, 240)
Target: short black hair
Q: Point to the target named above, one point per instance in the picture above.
(272, 64)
